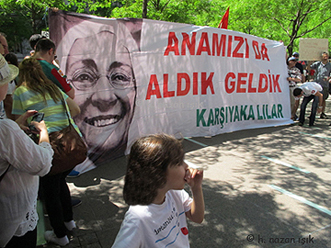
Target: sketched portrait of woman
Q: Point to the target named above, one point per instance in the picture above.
(97, 61)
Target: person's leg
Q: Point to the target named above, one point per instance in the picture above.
(313, 110)
(65, 199)
(325, 93)
(292, 101)
(303, 107)
(28, 240)
(51, 186)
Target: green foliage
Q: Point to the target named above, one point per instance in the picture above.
(279, 20)
(271, 19)
(22, 18)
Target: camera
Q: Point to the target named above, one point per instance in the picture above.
(38, 117)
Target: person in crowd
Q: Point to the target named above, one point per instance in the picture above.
(154, 189)
(46, 54)
(310, 91)
(322, 76)
(4, 49)
(33, 40)
(12, 59)
(299, 66)
(36, 91)
(6, 104)
(46, 50)
(294, 76)
(21, 162)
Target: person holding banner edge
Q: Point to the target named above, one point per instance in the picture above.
(294, 76)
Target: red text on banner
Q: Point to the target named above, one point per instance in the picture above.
(184, 85)
(225, 46)
(243, 82)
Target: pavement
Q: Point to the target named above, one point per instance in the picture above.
(267, 187)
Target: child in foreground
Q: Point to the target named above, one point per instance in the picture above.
(154, 189)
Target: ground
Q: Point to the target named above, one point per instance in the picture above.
(266, 187)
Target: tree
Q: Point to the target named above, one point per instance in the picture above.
(271, 19)
(144, 15)
(22, 18)
(300, 22)
(274, 19)
(198, 12)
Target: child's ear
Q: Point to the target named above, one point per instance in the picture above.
(50, 51)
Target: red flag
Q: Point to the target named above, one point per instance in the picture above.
(224, 21)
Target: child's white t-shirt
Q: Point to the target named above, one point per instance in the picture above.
(156, 225)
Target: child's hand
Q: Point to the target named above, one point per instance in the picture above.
(194, 178)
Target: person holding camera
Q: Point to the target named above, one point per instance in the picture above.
(21, 163)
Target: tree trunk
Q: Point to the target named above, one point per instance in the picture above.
(145, 8)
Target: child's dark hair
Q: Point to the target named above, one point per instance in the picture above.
(44, 45)
(297, 92)
(149, 159)
(12, 59)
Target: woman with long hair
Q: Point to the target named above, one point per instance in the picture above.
(21, 163)
(36, 91)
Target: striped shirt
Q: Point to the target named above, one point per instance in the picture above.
(55, 117)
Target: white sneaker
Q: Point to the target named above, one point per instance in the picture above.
(70, 225)
(51, 237)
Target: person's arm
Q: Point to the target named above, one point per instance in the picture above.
(22, 153)
(294, 79)
(40, 126)
(296, 105)
(73, 107)
(62, 80)
(71, 93)
(299, 77)
(197, 212)
(42, 130)
(8, 104)
(21, 120)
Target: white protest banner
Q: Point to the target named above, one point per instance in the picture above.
(135, 77)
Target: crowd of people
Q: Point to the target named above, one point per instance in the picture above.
(38, 87)
(156, 171)
(315, 86)
(156, 165)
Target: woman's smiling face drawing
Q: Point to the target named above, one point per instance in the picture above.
(101, 72)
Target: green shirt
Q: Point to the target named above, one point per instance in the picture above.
(55, 116)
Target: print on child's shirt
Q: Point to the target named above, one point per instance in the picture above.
(171, 227)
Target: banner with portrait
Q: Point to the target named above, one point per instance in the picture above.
(134, 77)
